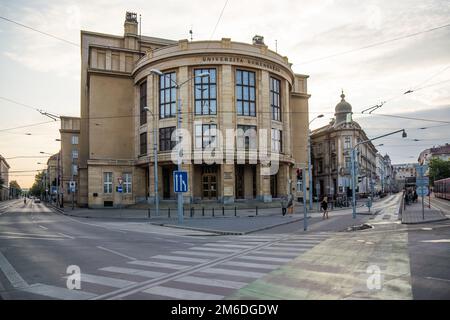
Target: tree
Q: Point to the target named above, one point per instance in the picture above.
(38, 188)
(14, 189)
(439, 169)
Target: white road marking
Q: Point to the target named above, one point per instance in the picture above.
(115, 252)
(228, 272)
(65, 235)
(221, 245)
(43, 227)
(212, 282)
(31, 234)
(251, 265)
(280, 254)
(105, 281)
(201, 254)
(11, 274)
(437, 241)
(178, 258)
(58, 293)
(182, 294)
(265, 259)
(214, 249)
(158, 264)
(134, 272)
(287, 249)
(30, 238)
(439, 279)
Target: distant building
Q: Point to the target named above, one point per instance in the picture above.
(331, 155)
(384, 174)
(441, 152)
(4, 175)
(405, 174)
(52, 176)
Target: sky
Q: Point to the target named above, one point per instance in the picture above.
(44, 72)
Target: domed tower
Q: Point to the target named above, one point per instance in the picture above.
(341, 111)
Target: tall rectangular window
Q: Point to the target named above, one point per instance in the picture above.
(348, 162)
(74, 139)
(143, 143)
(165, 139)
(107, 182)
(275, 100)
(277, 140)
(74, 154)
(74, 169)
(246, 138)
(143, 102)
(167, 95)
(205, 92)
(127, 182)
(205, 135)
(347, 142)
(245, 93)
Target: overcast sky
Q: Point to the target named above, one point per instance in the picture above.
(44, 72)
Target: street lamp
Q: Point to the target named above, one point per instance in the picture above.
(155, 165)
(353, 160)
(309, 164)
(178, 87)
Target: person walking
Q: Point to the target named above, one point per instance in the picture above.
(324, 206)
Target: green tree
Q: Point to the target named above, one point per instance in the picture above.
(15, 189)
(37, 189)
(439, 169)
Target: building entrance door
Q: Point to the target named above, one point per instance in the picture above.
(209, 182)
(239, 178)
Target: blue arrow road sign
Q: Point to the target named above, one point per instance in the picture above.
(422, 191)
(422, 181)
(180, 181)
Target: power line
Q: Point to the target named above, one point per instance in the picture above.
(41, 32)
(376, 44)
(218, 20)
(27, 126)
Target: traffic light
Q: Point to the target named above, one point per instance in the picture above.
(299, 174)
(359, 179)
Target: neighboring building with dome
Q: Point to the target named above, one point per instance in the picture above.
(331, 158)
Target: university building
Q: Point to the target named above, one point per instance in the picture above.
(128, 109)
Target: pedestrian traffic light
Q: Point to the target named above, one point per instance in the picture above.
(299, 174)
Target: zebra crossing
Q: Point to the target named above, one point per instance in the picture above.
(211, 270)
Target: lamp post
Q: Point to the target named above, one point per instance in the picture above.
(178, 87)
(353, 160)
(155, 166)
(309, 164)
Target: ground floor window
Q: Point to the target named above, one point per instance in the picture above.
(127, 182)
(107, 182)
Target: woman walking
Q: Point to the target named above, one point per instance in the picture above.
(324, 206)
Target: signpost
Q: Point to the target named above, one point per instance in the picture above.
(422, 184)
(180, 185)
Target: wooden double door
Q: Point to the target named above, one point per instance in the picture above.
(209, 182)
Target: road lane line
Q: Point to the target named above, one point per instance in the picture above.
(200, 254)
(281, 254)
(43, 227)
(256, 258)
(214, 249)
(11, 274)
(30, 234)
(65, 235)
(439, 279)
(117, 253)
(222, 245)
(228, 272)
(134, 272)
(182, 294)
(58, 292)
(251, 265)
(105, 281)
(178, 258)
(212, 282)
(158, 264)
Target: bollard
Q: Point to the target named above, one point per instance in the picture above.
(149, 213)
(223, 211)
(203, 211)
(192, 212)
(213, 212)
(169, 211)
(235, 212)
(256, 210)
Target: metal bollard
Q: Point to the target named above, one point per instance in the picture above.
(149, 213)
(235, 212)
(223, 211)
(213, 212)
(256, 210)
(169, 211)
(203, 211)
(192, 212)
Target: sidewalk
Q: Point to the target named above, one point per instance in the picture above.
(412, 214)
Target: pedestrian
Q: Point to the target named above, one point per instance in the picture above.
(290, 204)
(324, 206)
(415, 196)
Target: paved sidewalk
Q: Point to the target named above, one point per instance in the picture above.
(412, 214)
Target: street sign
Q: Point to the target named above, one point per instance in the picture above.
(422, 181)
(422, 191)
(119, 189)
(72, 185)
(180, 181)
(54, 190)
(421, 169)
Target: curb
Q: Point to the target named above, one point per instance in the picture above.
(220, 232)
(426, 221)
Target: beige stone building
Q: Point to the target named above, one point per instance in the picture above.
(331, 155)
(123, 103)
(4, 175)
(52, 176)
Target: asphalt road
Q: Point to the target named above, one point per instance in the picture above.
(136, 260)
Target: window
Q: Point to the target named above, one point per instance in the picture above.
(127, 179)
(333, 163)
(333, 146)
(319, 166)
(348, 162)
(74, 170)
(245, 93)
(276, 140)
(165, 141)
(205, 135)
(143, 102)
(115, 61)
(167, 95)
(246, 137)
(101, 60)
(275, 101)
(143, 143)
(74, 154)
(107, 182)
(74, 139)
(347, 142)
(205, 92)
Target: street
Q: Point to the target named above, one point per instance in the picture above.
(136, 260)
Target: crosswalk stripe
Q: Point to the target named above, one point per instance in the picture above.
(290, 247)
(287, 249)
(256, 258)
(214, 249)
(158, 264)
(178, 258)
(221, 245)
(251, 265)
(134, 272)
(182, 294)
(280, 254)
(228, 272)
(212, 282)
(105, 281)
(201, 254)
(58, 292)
(290, 243)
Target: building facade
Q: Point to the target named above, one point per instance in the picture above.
(384, 174)
(405, 175)
(4, 179)
(249, 116)
(440, 152)
(331, 155)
